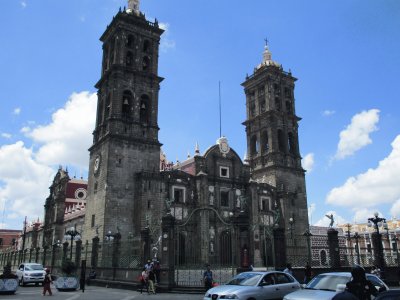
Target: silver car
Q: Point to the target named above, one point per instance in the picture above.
(30, 273)
(255, 286)
(325, 286)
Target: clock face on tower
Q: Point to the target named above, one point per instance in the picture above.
(96, 164)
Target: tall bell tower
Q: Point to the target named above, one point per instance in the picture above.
(272, 137)
(125, 139)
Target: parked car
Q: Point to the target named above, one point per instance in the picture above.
(255, 286)
(30, 273)
(389, 295)
(325, 286)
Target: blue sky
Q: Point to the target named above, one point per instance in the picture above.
(345, 54)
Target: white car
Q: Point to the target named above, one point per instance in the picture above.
(325, 286)
(30, 273)
(255, 286)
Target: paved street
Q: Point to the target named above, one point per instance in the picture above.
(92, 293)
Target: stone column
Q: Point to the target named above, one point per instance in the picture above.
(333, 243)
(168, 249)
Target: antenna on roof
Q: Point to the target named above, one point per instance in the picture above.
(220, 115)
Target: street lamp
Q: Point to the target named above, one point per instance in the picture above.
(356, 237)
(348, 225)
(114, 239)
(71, 234)
(377, 221)
(308, 235)
(291, 223)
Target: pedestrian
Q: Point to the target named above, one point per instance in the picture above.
(151, 279)
(46, 283)
(143, 281)
(359, 286)
(208, 278)
(288, 269)
(148, 265)
(157, 271)
(307, 273)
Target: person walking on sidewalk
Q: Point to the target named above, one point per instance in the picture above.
(152, 279)
(46, 283)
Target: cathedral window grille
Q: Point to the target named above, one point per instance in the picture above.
(146, 63)
(265, 142)
(254, 145)
(224, 198)
(130, 41)
(129, 58)
(224, 172)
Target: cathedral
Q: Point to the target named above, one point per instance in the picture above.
(213, 207)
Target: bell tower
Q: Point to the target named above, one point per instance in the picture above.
(272, 137)
(125, 139)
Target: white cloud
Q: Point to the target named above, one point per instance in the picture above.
(17, 111)
(311, 210)
(308, 162)
(362, 215)
(395, 209)
(6, 135)
(356, 135)
(25, 182)
(67, 138)
(372, 188)
(328, 113)
(166, 42)
(26, 174)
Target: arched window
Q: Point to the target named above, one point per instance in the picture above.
(225, 248)
(278, 103)
(144, 109)
(126, 103)
(100, 111)
(146, 63)
(288, 107)
(322, 255)
(281, 141)
(146, 46)
(254, 145)
(108, 107)
(264, 142)
(291, 145)
(130, 41)
(129, 58)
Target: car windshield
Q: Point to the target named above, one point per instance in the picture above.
(245, 279)
(33, 267)
(327, 282)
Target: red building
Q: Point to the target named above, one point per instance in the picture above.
(9, 238)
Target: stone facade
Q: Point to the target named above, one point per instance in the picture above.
(230, 206)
